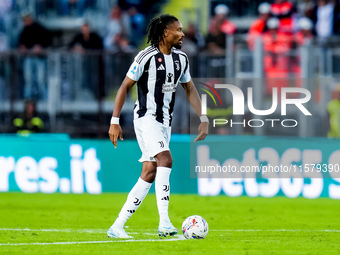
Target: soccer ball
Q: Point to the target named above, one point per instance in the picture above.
(195, 227)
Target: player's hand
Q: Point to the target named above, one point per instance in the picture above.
(115, 131)
(203, 131)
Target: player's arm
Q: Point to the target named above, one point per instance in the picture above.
(115, 130)
(195, 103)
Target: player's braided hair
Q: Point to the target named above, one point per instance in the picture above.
(157, 26)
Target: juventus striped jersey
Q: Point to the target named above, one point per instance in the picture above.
(157, 76)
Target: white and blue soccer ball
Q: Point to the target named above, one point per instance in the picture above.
(195, 227)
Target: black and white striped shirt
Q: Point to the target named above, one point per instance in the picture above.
(157, 76)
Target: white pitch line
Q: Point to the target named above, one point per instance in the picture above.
(276, 230)
(55, 230)
(180, 238)
(102, 231)
(71, 231)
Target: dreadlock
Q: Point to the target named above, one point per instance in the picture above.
(157, 26)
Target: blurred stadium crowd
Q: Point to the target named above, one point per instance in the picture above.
(70, 56)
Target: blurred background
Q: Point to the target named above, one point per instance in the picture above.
(62, 61)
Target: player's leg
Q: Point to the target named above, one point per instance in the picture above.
(134, 200)
(153, 139)
(149, 171)
(162, 183)
(162, 189)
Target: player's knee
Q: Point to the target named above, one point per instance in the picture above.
(169, 162)
(148, 176)
(166, 161)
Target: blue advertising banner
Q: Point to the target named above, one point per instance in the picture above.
(227, 165)
(51, 163)
(267, 166)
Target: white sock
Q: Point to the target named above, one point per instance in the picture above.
(162, 188)
(134, 200)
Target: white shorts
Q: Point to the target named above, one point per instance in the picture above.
(153, 137)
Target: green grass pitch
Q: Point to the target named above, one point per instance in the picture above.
(77, 224)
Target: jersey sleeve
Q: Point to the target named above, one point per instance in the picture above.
(186, 74)
(135, 71)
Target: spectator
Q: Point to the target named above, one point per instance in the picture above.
(305, 27)
(121, 44)
(220, 27)
(333, 108)
(276, 44)
(29, 122)
(283, 10)
(89, 65)
(304, 34)
(3, 42)
(141, 5)
(5, 9)
(86, 40)
(259, 26)
(305, 8)
(5, 70)
(137, 22)
(326, 19)
(192, 41)
(68, 7)
(215, 40)
(116, 25)
(33, 41)
(222, 21)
